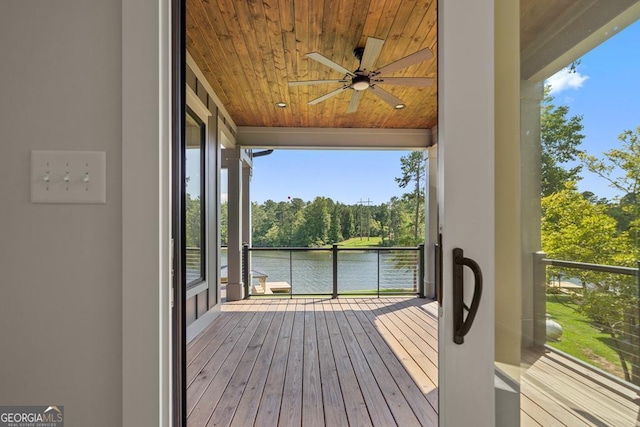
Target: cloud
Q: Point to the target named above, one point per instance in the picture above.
(564, 79)
(224, 197)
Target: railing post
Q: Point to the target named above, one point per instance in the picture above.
(421, 292)
(637, 331)
(245, 269)
(378, 275)
(539, 299)
(335, 270)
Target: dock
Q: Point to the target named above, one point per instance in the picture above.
(269, 288)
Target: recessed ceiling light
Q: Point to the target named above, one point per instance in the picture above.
(400, 106)
(281, 104)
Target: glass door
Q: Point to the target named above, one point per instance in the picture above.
(580, 176)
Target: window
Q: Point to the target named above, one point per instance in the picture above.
(194, 203)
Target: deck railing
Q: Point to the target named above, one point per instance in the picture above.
(333, 271)
(608, 297)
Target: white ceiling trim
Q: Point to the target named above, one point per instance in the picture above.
(334, 138)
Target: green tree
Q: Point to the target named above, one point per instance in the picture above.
(193, 221)
(335, 229)
(317, 220)
(560, 137)
(413, 167)
(620, 167)
(574, 228)
(347, 222)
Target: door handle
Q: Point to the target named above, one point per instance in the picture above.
(461, 325)
(438, 269)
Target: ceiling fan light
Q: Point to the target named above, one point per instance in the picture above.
(360, 83)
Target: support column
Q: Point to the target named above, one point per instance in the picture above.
(533, 294)
(431, 222)
(246, 217)
(235, 290)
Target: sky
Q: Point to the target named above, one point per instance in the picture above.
(346, 176)
(605, 90)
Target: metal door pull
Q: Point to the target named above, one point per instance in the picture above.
(461, 325)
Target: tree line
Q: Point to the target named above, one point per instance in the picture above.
(323, 221)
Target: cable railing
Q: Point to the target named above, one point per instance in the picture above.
(603, 296)
(333, 271)
(193, 263)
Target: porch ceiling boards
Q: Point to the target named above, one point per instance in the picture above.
(250, 50)
(268, 362)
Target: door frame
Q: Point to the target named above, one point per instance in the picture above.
(178, 277)
(466, 204)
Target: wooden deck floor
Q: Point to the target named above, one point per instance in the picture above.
(310, 362)
(315, 362)
(556, 391)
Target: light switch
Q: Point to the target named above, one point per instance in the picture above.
(68, 177)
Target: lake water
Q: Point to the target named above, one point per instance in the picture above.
(312, 272)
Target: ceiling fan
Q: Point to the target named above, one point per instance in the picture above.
(365, 78)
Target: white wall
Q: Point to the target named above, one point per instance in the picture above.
(61, 265)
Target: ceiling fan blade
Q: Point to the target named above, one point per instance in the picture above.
(327, 95)
(404, 81)
(329, 63)
(385, 96)
(414, 58)
(315, 82)
(371, 52)
(355, 100)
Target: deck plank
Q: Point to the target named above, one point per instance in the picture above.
(422, 338)
(228, 402)
(419, 402)
(333, 400)
(291, 406)
(205, 338)
(538, 414)
(561, 412)
(203, 407)
(407, 347)
(564, 389)
(377, 405)
(212, 365)
(592, 379)
(356, 407)
(269, 408)
(249, 402)
(313, 414)
(217, 340)
(528, 421)
(400, 408)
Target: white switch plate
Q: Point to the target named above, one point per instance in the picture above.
(68, 177)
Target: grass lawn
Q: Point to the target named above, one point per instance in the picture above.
(355, 242)
(579, 338)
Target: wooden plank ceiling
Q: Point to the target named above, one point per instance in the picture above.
(250, 50)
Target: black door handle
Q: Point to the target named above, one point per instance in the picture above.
(461, 325)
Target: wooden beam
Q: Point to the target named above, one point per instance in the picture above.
(334, 138)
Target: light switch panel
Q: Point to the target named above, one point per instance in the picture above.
(68, 177)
